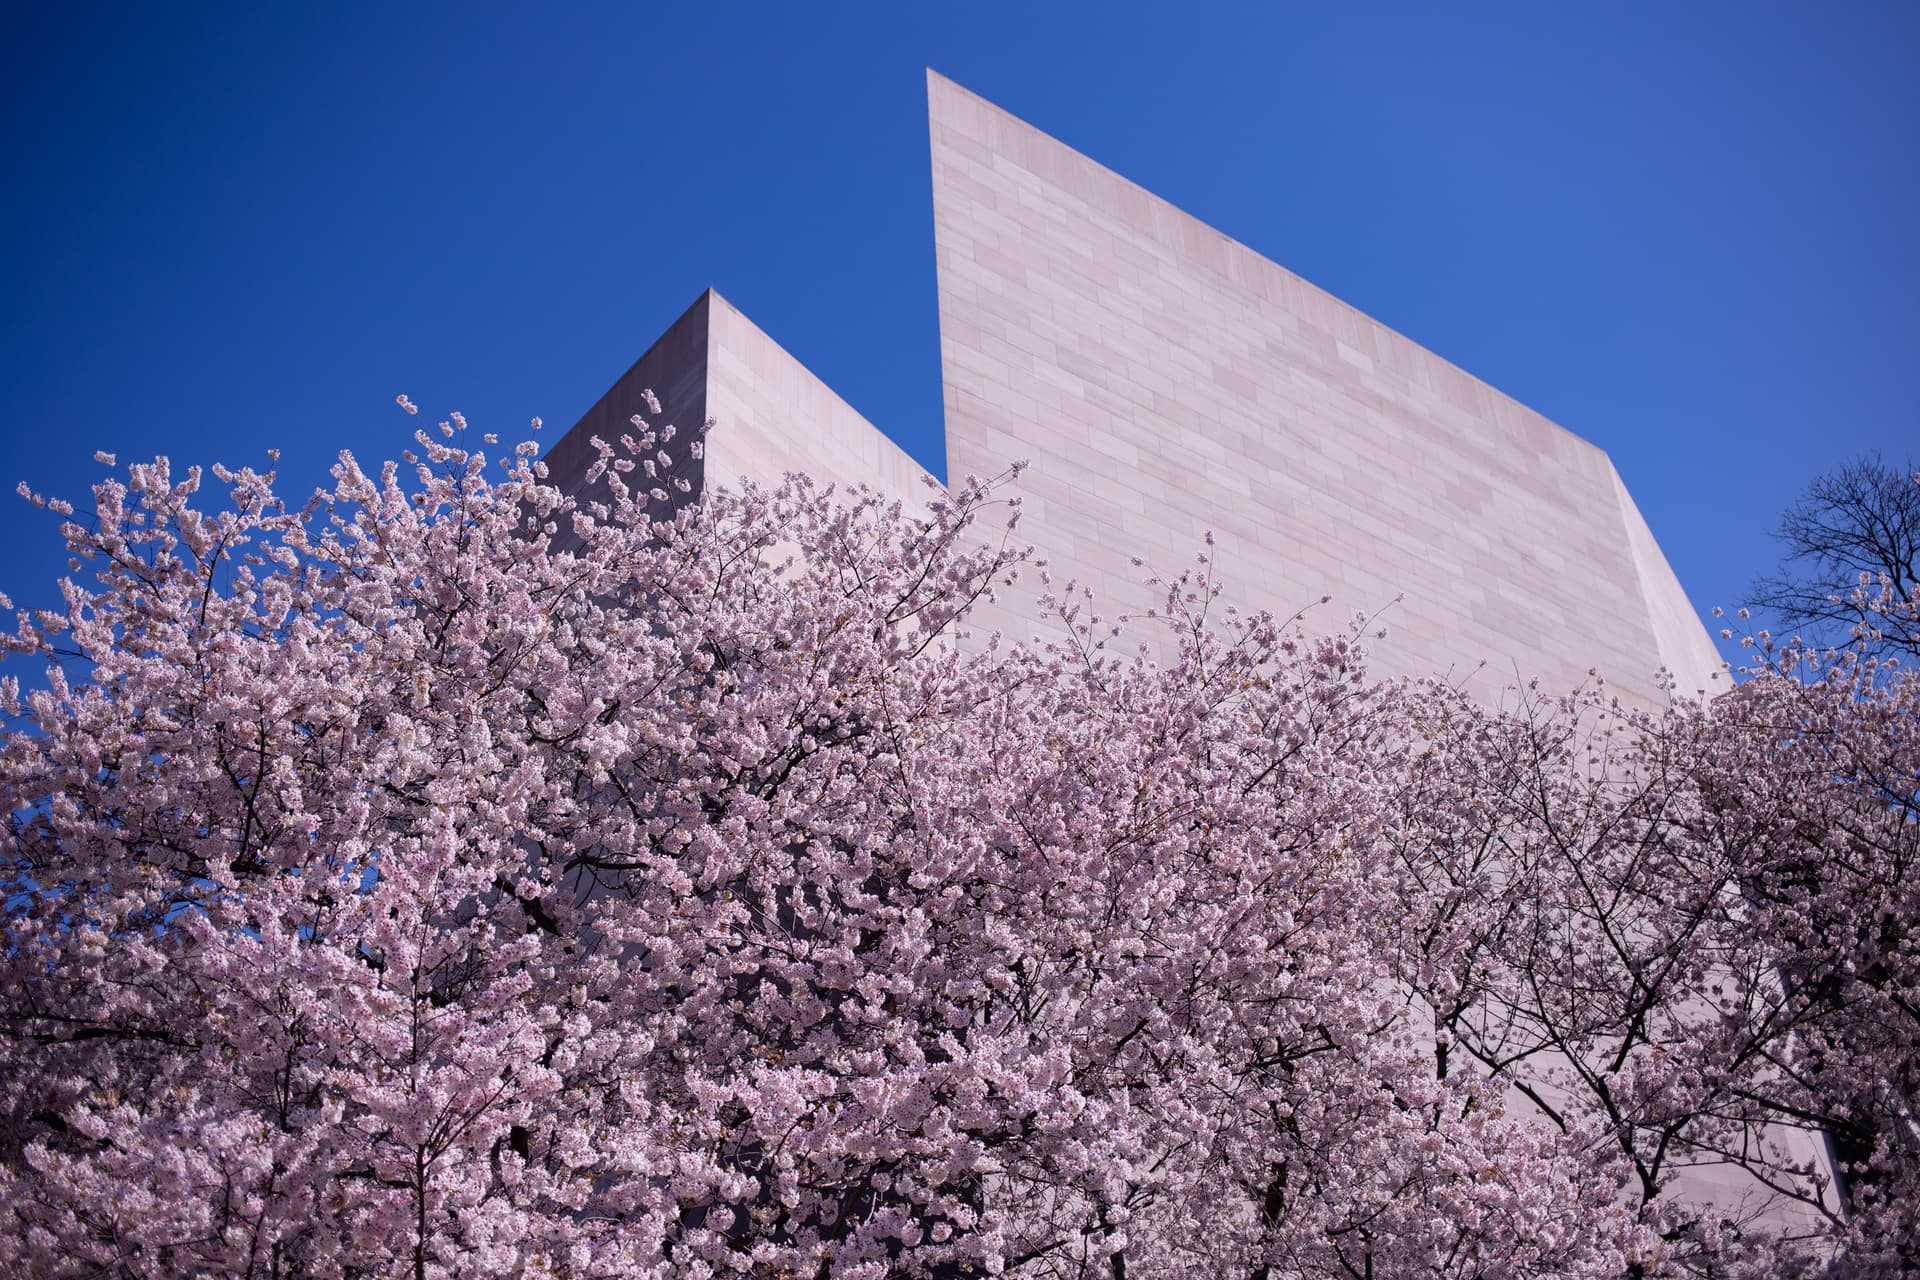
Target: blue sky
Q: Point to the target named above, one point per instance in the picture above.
(1685, 232)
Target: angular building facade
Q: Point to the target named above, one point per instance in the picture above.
(1166, 382)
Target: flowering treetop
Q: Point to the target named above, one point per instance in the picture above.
(455, 876)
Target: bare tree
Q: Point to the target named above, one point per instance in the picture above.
(1852, 565)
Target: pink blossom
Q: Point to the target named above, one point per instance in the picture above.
(454, 876)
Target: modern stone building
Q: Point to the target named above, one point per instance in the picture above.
(1166, 382)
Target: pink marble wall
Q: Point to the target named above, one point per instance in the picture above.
(1166, 381)
(771, 415)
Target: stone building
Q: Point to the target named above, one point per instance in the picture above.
(1166, 382)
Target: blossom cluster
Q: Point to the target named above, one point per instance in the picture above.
(457, 876)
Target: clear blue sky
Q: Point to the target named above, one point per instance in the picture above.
(1687, 232)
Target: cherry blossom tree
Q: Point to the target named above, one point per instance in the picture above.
(457, 876)
(1810, 792)
(1696, 930)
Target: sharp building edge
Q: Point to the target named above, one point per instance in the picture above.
(771, 416)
